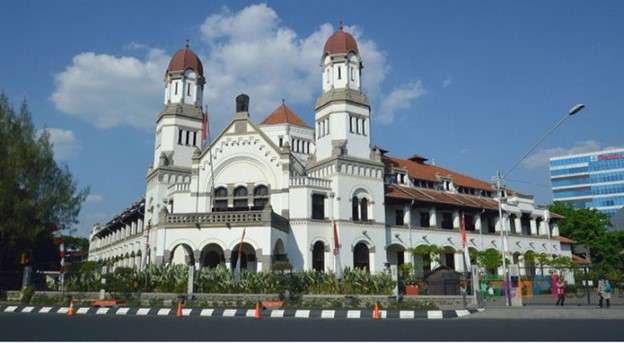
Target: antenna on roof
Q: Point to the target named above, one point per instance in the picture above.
(188, 43)
(340, 25)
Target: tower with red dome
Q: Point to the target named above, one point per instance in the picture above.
(342, 110)
(178, 129)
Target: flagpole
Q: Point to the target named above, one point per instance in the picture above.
(210, 163)
(464, 240)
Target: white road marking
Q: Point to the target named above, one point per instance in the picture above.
(45, 309)
(277, 313)
(122, 311)
(434, 314)
(384, 314)
(462, 313)
(10, 309)
(28, 309)
(302, 314)
(142, 311)
(207, 312)
(164, 311)
(353, 314)
(406, 314)
(229, 313)
(186, 312)
(63, 310)
(82, 310)
(102, 310)
(250, 313)
(328, 314)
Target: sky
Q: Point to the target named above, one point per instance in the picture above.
(468, 84)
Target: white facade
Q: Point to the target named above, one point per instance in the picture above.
(281, 188)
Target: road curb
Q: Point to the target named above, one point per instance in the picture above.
(246, 313)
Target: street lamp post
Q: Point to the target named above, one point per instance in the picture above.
(500, 178)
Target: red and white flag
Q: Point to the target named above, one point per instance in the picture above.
(464, 238)
(336, 241)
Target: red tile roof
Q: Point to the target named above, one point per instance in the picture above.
(185, 59)
(428, 172)
(434, 196)
(566, 240)
(340, 43)
(579, 260)
(283, 114)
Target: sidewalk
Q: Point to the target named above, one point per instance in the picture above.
(550, 312)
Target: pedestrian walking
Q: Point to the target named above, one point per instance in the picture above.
(554, 280)
(604, 291)
(560, 291)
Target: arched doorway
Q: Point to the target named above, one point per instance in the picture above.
(212, 256)
(447, 257)
(182, 254)
(395, 255)
(361, 256)
(279, 252)
(247, 258)
(318, 256)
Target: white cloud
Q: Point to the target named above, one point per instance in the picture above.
(447, 82)
(94, 199)
(107, 90)
(401, 98)
(249, 51)
(64, 143)
(541, 158)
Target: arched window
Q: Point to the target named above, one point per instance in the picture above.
(361, 257)
(364, 209)
(318, 256)
(220, 201)
(261, 196)
(355, 211)
(240, 198)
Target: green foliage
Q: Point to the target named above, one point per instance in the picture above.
(35, 192)
(27, 294)
(125, 281)
(489, 259)
(589, 227)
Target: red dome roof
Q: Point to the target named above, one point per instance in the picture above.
(341, 43)
(185, 59)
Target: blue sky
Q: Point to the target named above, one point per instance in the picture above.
(469, 84)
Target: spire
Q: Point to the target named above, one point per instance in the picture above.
(187, 44)
(340, 25)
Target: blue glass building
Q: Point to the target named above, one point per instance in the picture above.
(590, 180)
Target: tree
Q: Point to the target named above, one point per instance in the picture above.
(35, 192)
(490, 259)
(589, 227)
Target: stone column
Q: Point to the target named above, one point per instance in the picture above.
(459, 261)
(433, 217)
(456, 219)
(518, 223)
(434, 261)
(533, 223)
(542, 228)
(477, 222)
(499, 223)
(555, 230)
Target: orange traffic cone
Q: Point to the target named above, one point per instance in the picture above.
(376, 313)
(258, 311)
(179, 312)
(70, 310)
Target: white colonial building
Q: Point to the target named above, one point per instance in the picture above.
(279, 187)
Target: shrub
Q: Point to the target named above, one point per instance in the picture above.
(27, 294)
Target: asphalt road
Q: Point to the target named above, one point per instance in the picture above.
(20, 326)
